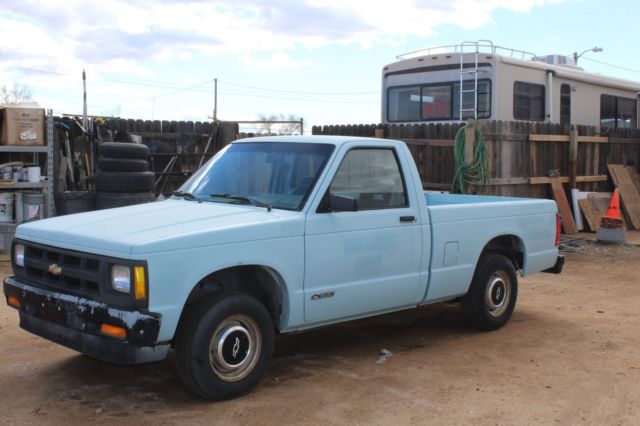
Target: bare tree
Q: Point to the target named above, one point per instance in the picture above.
(269, 127)
(16, 94)
(290, 128)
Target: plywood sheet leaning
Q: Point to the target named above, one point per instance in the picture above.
(635, 177)
(568, 224)
(629, 194)
(594, 207)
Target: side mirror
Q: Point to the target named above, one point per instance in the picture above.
(342, 203)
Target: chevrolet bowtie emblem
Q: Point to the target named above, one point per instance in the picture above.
(54, 269)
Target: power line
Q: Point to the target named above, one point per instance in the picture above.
(611, 65)
(297, 92)
(194, 88)
(167, 85)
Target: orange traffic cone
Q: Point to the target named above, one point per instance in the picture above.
(611, 228)
(614, 206)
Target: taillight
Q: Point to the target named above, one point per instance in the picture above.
(558, 223)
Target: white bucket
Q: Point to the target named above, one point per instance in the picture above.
(33, 174)
(33, 204)
(6, 206)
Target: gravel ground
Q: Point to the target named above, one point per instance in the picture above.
(569, 355)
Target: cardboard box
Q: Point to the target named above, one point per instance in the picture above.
(21, 126)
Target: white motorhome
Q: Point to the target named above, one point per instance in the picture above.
(502, 84)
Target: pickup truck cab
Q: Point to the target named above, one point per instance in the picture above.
(272, 235)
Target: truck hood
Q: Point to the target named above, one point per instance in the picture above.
(160, 226)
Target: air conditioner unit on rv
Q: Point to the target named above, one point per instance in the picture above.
(562, 60)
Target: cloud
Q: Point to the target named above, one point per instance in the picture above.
(276, 61)
(148, 30)
(47, 43)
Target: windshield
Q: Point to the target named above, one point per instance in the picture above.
(275, 174)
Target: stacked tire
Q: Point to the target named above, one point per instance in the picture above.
(123, 177)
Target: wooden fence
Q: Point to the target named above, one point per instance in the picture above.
(178, 148)
(521, 154)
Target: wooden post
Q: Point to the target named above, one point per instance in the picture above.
(573, 157)
(469, 144)
(379, 133)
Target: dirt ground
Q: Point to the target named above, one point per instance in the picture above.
(569, 355)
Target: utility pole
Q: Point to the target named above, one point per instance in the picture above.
(84, 100)
(215, 100)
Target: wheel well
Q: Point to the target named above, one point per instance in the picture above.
(508, 245)
(261, 282)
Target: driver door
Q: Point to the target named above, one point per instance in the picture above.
(366, 260)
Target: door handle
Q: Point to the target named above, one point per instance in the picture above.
(407, 219)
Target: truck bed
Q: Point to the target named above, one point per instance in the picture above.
(462, 224)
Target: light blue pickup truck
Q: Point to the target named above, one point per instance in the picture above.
(272, 235)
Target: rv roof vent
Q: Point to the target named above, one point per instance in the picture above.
(562, 60)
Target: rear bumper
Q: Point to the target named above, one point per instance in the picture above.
(75, 322)
(557, 268)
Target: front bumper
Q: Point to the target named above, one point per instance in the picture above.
(75, 321)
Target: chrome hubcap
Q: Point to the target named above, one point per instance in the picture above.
(498, 293)
(234, 348)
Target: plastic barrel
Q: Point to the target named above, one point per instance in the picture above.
(6, 206)
(33, 204)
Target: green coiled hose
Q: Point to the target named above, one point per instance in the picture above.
(470, 178)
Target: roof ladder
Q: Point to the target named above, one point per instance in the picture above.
(470, 71)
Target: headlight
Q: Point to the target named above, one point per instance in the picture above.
(121, 278)
(19, 255)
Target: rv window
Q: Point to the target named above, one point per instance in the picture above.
(565, 104)
(528, 101)
(626, 113)
(404, 103)
(617, 112)
(436, 102)
(440, 101)
(484, 99)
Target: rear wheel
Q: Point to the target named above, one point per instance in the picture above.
(224, 345)
(493, 293)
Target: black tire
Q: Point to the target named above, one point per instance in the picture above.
(124, 150)
(108, 164)
(493, 293)
(125, 181)
(231, 324)
(107, 200)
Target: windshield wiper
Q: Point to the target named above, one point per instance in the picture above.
(187, 196)
(244, 199)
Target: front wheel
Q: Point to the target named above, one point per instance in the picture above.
(492, 296)
(224, 345)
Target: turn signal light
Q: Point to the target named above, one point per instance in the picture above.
(113, 331)
(13, 301)
(139, 283)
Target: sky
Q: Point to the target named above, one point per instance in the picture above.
(316, 59)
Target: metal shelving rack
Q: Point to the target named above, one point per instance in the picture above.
(8, 229)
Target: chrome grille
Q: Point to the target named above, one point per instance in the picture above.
(77, 273)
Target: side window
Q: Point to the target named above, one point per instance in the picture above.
(607, 111)
(618, 112)
(372, 177)
(528, 101)
(565, 104)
